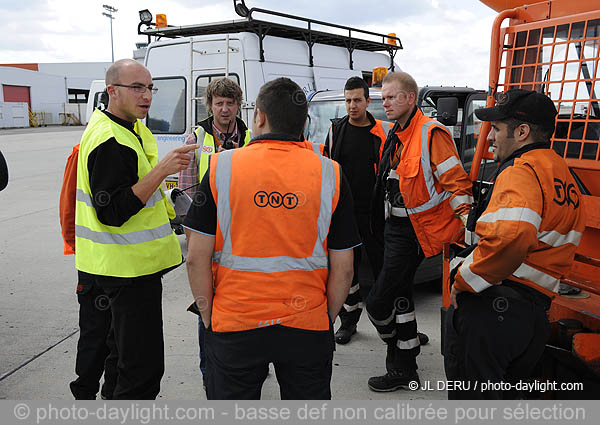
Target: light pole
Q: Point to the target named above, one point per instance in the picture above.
(109, 14)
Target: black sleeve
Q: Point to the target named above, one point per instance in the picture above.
(343, 232)
(3, 172)
(113, 171)
(202, 215)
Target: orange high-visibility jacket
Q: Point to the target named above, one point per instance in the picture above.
(434, 186)
(530, 229)
(66, 208)
(274, 203)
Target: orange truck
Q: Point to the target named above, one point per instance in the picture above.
(553, 47)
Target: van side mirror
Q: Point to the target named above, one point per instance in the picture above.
(447, 110)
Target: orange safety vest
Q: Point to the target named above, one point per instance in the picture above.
(274, 203)
(66, 208)
(317, 148)
(427, 203)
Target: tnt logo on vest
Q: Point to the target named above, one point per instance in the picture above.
(263, 199)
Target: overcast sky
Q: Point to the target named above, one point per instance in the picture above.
(446, 42)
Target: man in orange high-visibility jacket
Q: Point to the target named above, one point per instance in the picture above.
(497, 326)
(277, 219)
(426, 193)
(356, 142)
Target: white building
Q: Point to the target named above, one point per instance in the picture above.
(55, 93)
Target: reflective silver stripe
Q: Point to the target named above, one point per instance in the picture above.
(386, 128)
(473, 280)
(408, 345)
(156, 197)
(457, 201)
(446, 166)
(131, 238)
(425, 160)
(384, 321)
(268, 264)
(405, 318)
(330, 139)
(433, 202)
(223, 205)
(555, 239)
(316, 148)
(327, 192)
(353, 289)
(513, 214)
(81, 196)
(350, 308)
(398, 212)
(390, 335)
(543, 279)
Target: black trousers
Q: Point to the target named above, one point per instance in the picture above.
(96, 351)
(390, 304)
(495, 336)
(136, 306)
(238, 363)
(352, 308)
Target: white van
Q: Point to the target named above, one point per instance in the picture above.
(251, 52)
(95, 98)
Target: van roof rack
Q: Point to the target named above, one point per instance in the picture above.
(263, 28)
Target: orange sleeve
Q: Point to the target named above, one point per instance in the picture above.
(507, 229)
(448, 170)
(68, 194)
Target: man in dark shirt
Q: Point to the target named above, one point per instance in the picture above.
(355, 141)
(123, 237)
(276, 290)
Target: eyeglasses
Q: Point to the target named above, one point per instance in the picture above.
(138, 89)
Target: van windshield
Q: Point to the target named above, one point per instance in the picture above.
(320, 114)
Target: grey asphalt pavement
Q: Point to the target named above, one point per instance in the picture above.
(38, 306)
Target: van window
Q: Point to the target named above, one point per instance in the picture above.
(321, 113)
(167, 113)
(100, 100)
(201, 84)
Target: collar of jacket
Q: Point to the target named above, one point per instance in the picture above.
(123, 123)
(410, 123)
(516, 154)
(278, 137)
(337, 122)
(207, 123)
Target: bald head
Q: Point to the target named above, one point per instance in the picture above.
(115, 71)
(129, 86)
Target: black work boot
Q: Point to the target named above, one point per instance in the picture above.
(394, 380)
(423, 339)
(344, 334)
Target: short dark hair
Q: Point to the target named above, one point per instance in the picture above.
(284, 103)
(357, 83)
(539, 133)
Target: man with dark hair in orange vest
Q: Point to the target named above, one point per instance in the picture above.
(356, 142)
(529, 227)
(277, 220)
(423, 196)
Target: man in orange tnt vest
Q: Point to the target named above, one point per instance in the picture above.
(278, 222)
